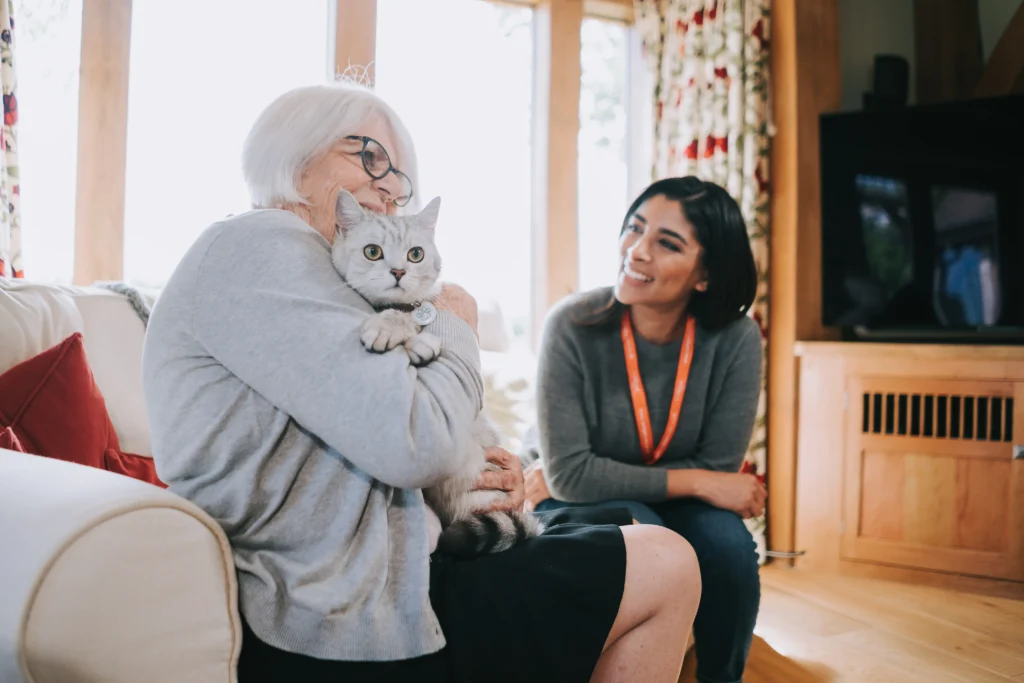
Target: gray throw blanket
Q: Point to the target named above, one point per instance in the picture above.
(141, 303)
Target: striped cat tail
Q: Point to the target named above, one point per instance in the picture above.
(483, 533)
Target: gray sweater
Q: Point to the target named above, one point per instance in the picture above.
(268, 413)
(587, 432)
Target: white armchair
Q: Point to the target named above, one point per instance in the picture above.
(104, 578)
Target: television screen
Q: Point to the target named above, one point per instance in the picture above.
(967, 291)
(922, 224)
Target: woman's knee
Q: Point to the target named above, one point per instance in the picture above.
(654, 551)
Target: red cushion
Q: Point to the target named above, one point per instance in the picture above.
(131, 465)
(50, 405)
(53, 407)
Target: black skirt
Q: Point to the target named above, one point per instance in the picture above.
(539, 612)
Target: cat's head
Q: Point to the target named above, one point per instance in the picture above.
(387, 259)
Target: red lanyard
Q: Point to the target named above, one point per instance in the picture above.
(636, 389)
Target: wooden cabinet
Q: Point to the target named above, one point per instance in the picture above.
(909, 456)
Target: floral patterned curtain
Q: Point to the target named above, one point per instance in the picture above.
(10, 212)
(710, 63)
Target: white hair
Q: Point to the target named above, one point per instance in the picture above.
(302, 124)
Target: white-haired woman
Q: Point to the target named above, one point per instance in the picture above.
(311, 453)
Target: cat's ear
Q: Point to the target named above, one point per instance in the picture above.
(427, 217)
(347, 212)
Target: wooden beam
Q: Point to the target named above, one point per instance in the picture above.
(355, 41)
(102, 140)
(806, 81)
(1004, 73)
(610, 10)
(556, 102)
(947, 49)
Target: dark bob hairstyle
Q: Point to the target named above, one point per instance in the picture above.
(726, 257)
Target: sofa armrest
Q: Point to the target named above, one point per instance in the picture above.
(105, 578)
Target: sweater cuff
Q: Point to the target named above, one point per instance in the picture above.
(652, 487)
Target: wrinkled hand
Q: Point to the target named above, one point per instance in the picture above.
(460, 302)
(508, 479)
(737, 491)
(536, 485)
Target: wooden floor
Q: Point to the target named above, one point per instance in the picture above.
(824, 629)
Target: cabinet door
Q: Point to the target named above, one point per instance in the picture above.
(930, 477)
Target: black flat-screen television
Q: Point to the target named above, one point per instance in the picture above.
(922, 221)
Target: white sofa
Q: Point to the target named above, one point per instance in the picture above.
(107, 579)
(103, 578)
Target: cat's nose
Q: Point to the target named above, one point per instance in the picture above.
(398, 273)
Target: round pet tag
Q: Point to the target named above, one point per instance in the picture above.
(424, 313)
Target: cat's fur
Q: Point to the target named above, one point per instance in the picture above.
(465, 532)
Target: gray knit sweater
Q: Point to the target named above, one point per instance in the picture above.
(268, 413)
(586, 430)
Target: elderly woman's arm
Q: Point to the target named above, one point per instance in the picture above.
(272, 309)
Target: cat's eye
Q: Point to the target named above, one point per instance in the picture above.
(416, 254)
(373, 252)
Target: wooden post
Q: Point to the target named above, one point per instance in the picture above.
(355, 41)
(807, 80)
(947, 49)
(102, 140)
(555, 270)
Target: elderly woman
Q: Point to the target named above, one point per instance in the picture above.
(311, 453)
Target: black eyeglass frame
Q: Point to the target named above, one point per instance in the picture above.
(366, 140)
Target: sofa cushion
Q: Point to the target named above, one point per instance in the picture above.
(53, 407)
(113, 342)
(36, 317)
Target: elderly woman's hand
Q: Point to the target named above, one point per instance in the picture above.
(457, 300)
(508, 479)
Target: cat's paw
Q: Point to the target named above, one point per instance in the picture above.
(423, 348)
(388, 329)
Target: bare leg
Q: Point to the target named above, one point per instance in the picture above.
(659, 601)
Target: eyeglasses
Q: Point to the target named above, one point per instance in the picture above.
(377, 165)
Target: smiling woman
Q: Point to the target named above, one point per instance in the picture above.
(647, 397)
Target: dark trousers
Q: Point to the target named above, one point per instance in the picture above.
(731, 592)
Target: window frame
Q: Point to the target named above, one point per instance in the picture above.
(103, 131)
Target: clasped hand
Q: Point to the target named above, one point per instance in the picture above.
(508, 479)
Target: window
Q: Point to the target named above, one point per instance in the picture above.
(200, 73)
(471, 121)
(48, 42)
(604, 192)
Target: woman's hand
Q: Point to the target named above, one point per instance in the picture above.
(457, 300)
(508, 479)
(536, 485)
(737, 491)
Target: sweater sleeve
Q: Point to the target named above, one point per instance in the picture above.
(729, 417)
(574, 473)
(294, 337)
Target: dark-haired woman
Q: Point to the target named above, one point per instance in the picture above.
(647, 396)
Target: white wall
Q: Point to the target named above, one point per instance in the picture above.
(870, 27)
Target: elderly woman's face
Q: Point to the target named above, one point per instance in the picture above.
(341, 168)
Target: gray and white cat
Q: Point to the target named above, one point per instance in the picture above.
(393, 263)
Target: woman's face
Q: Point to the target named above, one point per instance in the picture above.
(661, 258)
(341, 168)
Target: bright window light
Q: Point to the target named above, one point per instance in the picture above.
(460, 74)
(48, 38)
(200, 74)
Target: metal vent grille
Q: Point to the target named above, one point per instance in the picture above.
(939, 416)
